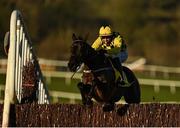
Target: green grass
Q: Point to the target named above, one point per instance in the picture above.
(2, 79)
(59, 84)
(149, 95)
(147, 92)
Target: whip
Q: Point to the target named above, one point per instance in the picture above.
(75, 71)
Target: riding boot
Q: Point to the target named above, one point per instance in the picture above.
(118, 66)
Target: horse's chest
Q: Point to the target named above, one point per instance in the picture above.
(87, 77)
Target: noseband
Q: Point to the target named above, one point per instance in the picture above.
(74, 41)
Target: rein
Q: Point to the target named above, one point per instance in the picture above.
(77, 41)
(102, 69)
(75, 71)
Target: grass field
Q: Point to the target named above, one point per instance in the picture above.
(147, 92)
(2, 79)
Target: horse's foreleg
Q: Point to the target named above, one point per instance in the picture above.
(85, 90)
(90, 94)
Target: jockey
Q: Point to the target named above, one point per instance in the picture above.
(114, 46)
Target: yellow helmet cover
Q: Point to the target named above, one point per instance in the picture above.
(105, 31)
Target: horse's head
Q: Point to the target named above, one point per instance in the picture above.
(82, 52)
(76, 53)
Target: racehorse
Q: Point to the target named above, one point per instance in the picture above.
(104, 87)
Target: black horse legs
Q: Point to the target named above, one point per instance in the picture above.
(85, 90)
(108, 107)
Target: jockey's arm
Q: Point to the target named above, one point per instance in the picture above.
(114, 51)
(117, 46)
(97, 43)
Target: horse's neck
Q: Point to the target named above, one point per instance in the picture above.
(92, 59)
(88, 52)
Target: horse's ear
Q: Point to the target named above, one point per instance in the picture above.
(86, 37)
(74, 37)
(80, 38)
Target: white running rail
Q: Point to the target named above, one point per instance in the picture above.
(20, 53)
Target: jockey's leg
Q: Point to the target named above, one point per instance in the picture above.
(117, 64)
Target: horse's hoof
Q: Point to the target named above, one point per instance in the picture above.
(108, 107)
(123, 110)
(88, 103)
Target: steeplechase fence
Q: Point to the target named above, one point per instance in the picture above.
(23, 78)
(75, 115)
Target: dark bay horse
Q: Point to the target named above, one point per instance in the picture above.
(103, 89)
